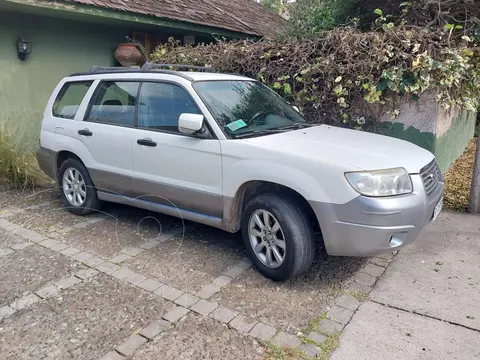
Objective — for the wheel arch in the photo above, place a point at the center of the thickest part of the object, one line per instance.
(253, 188)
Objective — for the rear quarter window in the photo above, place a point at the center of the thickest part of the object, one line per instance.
(69, 99)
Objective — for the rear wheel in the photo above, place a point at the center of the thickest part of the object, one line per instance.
(278, 237)
(76, 188)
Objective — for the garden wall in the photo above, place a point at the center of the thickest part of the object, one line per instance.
(425, 123)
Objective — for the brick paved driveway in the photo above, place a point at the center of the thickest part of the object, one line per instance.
(126, 283)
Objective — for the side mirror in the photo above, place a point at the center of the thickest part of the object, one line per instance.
(190, 123)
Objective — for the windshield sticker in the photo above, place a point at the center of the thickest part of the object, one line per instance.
(234, 126)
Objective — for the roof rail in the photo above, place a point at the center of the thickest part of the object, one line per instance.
(153, 66)
(120, 70)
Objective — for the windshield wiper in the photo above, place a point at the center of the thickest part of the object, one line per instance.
(258, 132)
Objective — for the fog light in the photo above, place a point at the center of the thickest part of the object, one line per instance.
(395, 242)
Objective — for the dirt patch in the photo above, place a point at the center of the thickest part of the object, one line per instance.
(27, 270)
(85, 322)
(23, 198)
(7, 238)
(122, 228)
(291, 305)
(191, 261)
(200, 338)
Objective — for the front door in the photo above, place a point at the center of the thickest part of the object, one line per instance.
(172, 168)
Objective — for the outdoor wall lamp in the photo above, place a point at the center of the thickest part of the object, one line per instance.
(24, 48)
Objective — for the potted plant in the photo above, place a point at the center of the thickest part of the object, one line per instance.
(130, 53)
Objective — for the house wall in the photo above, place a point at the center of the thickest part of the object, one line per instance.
(59, 48)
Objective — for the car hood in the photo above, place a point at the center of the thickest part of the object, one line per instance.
(358, 149)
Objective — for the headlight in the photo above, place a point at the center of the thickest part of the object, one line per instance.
(389, 182)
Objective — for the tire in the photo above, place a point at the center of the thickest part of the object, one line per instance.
(295, 229)
(91, 202)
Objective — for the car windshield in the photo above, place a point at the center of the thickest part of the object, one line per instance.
(247, 108)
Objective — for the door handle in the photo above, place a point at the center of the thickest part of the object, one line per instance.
(147, 142)
(85, 132)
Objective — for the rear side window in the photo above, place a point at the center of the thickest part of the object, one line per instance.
(69, 99)
(114, 103)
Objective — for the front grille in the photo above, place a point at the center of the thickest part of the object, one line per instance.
(430, 176)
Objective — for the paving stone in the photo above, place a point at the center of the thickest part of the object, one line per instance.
(187, 300)
(24, 302)
(5, 251)
(263, 331)
(155, 328)
(70, 251)
(222, 280)
(365, 279)
(112, 355)
(86, 273)
(283, 339)
(208, 290)
(175, 314)
(204, 307)
(68, 282)
(133, 251)
(6, 311)
(388, 256)
(37, 238)
(310, 350)
(123, 273)
(150, 285)
(243, 323)
(21, 246)
(94, 261)
(47, 291)
(150, 244)
(317, 337)
(379, 262)
(340, 314)
(223, 315)
(59, 247)
(239, 268)
(49, 243)
(107, 268)
(330, 327)
(120, 258)
(373, 270)
(348, 302)
(168, 292)
(135, 279)
(131, 345)
(25, 233)
(82, 256)
(355, 286)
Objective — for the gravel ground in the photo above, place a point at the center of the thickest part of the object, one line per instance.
(201, 338)
(84, 323)
(25, 271)
(91, 318)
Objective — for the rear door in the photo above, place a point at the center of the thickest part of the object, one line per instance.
(107, 131)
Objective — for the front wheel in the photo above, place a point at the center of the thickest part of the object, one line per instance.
(278, 237)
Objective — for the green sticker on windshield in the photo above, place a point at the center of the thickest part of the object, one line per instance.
(234, 126)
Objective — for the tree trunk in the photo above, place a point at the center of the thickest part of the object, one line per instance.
(474, 203)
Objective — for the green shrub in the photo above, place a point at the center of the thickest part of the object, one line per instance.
(344, 75)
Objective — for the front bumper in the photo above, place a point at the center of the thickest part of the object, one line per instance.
(370, 226)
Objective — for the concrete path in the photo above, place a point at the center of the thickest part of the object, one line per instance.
(427, 304)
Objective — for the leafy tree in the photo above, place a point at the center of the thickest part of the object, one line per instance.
(274, 6)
